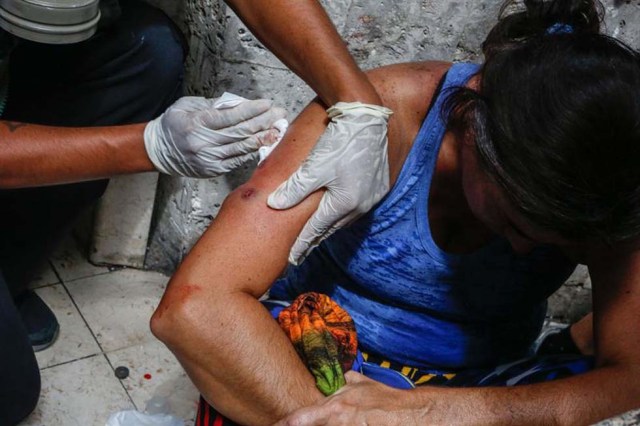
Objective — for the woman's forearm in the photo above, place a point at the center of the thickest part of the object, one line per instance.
(582, 399)
(34, 155)
(212, 321)
(241, 361)
(210, 316)
(578, 400)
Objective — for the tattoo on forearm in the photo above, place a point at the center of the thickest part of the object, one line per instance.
(14, 125)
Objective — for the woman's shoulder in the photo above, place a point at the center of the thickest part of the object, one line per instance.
(409, 86)
(407, 89)
(422, 70)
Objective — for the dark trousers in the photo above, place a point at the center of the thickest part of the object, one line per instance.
(127, 73)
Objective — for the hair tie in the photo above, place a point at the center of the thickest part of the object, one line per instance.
(559, 28)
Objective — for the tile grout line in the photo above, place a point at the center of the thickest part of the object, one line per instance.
(70, 361)
(84, 277)
(45, 286)
(64, 285)
(86, 323)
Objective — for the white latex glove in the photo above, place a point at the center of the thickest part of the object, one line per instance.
(194, 138)
(350, 160)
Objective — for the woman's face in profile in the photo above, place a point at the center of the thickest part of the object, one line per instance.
(491, 207)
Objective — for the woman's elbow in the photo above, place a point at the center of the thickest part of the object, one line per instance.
(166, 323)
(159, 324)
(176, 317)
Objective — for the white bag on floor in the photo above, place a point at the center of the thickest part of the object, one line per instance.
(136, 418)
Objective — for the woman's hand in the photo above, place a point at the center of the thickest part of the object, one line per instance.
(361, 401)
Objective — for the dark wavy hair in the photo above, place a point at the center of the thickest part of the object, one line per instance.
(556, 119)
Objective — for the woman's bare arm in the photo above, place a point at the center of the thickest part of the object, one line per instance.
(210, 317)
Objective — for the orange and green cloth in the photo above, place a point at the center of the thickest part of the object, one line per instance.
(324, 336)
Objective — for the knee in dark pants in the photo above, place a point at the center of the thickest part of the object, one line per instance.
(165, 48)
(160, 52)
(19, 374)
(22, 401)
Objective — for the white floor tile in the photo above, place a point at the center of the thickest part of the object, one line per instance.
(154, 371)
(71, 263)
(118, 305)
(75, 340)
(44, 276)
(80, 393)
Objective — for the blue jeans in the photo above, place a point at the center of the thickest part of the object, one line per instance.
(127, 73)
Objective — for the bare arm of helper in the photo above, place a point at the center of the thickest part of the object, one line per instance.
(311, 48)
(191, 138)
(32, 155)
(210, 317)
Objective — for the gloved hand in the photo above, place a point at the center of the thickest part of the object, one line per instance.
(350, 160)
(192, 138)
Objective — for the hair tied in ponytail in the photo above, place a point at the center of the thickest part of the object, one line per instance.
(559, 28)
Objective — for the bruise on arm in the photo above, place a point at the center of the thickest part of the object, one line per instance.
(248, 193)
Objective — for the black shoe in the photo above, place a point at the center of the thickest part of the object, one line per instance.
(40, 322)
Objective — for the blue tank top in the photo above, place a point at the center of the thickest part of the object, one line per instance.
(414, 304)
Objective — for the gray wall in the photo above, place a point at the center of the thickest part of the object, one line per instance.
(224, 56)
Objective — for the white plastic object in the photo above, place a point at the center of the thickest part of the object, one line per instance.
(136, 418)
(158, 405)
(157, 413)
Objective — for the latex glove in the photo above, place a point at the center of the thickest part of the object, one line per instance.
(350, 160)
(193, 138)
